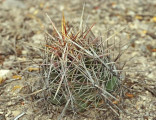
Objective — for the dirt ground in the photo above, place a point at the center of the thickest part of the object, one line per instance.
(22, 27)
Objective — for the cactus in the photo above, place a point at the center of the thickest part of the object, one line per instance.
(78, 69)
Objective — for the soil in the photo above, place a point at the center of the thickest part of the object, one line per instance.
(22, 28)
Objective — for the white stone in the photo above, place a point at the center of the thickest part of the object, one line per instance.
(5, 74)
(24, 52)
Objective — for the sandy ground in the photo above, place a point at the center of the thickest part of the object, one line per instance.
(22, 26)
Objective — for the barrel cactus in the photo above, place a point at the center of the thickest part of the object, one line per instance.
(79, 71)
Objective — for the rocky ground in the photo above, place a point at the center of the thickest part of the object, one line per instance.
(22, 27)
